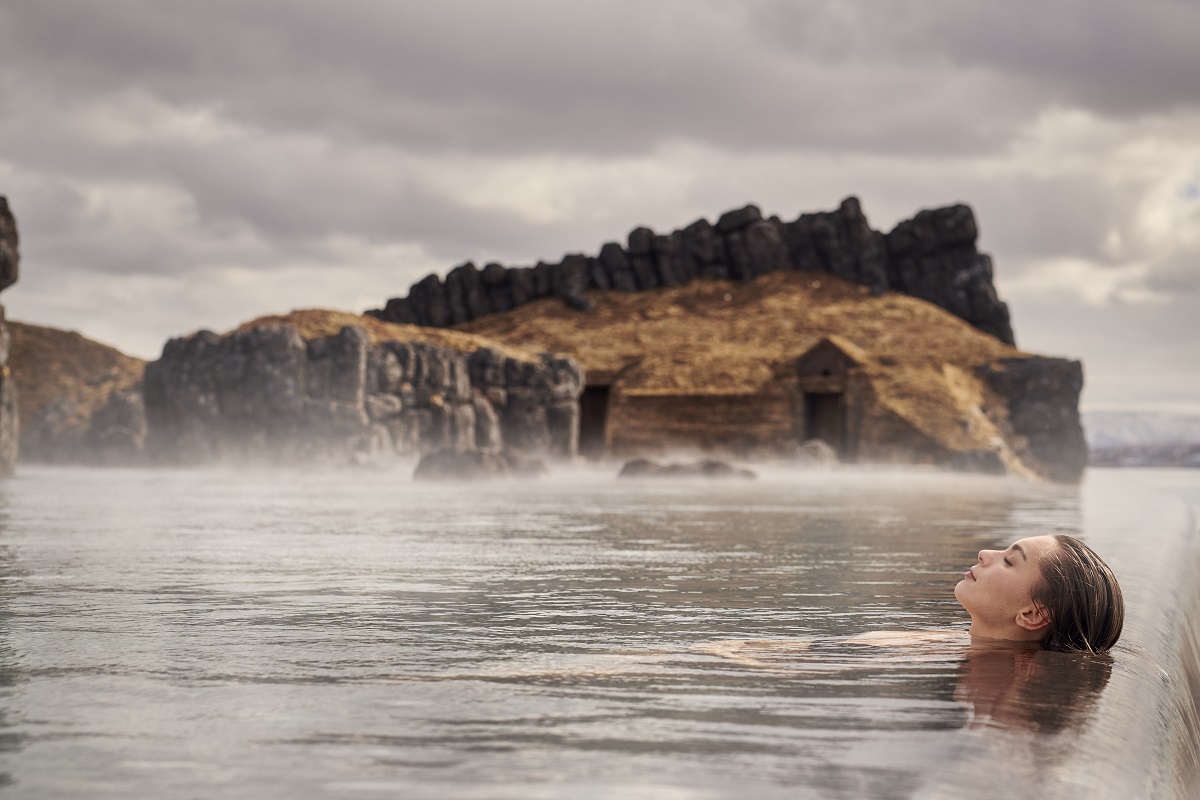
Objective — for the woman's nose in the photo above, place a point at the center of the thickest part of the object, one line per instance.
(984, 555)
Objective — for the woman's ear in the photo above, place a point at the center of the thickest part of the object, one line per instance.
(1033, 618)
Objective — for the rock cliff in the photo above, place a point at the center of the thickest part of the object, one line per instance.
(1042, 398)
(320, 386)
(81, 401)
(932, 256)
(10, 259)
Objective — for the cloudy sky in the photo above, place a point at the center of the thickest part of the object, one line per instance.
(176, 165)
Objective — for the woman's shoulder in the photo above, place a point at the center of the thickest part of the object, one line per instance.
(784, 652)
(908, 638)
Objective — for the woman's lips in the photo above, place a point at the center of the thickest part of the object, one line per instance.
(970, 574)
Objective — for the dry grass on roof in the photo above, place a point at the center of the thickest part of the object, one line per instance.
(315, 323)
(727, 337)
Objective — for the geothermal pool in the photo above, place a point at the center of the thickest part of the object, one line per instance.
(355, 635)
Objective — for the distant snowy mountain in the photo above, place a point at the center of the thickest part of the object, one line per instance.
(1108, 429)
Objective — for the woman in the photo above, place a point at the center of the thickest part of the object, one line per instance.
(1049, 589)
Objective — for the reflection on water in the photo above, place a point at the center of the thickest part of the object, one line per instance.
(1027, 688)
(1000, 684)
(355, 635)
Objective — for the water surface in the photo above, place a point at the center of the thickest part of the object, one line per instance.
(353, 634)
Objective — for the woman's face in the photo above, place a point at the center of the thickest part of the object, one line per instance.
(999, 588)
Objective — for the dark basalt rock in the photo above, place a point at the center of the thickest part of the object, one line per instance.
(10, 256)
(1042, 395)
(738, 218)
(571, 282)
(802, 250)
(497, 289)
(597, 276)
(705, 246)
(617, 265)
(868, 248)
(755, 250)
(398, 310)
(264, 394)
(543, 279)
(429, 302)
(456, 294)
(337, 366)
(522, 285)
(674, 266)
(815, 453)
(10, 260)
(641, 257)
(931, 256)
(706, 468)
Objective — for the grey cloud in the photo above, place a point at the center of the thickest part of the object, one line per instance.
(1133, 354)
(607, 77)
(1111, 56)
(579, 77)
(1051, 216)
(1178, 275)
(1115, 57)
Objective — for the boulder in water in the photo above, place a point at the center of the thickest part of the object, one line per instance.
(470, 465)
(705, 468)
(816, 453)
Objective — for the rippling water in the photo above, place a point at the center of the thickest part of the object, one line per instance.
(353, 634)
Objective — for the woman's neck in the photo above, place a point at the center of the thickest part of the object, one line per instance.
(1008, 633)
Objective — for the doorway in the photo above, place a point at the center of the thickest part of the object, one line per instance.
(823, 418)
(593, 421)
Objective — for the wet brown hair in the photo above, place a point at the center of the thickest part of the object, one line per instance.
(1082, 597)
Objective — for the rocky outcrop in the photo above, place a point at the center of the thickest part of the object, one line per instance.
(10, 260)
(537, 403)
(1042, 399)
(266, 393)
(705, 468)
(80, 400)
(815, 453)
(932, 256)
(10, 257)
(65, 432)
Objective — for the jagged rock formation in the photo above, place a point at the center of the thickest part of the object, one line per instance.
(81, 401)
(758, 368)
(1042, 396)
(327, 387)
(932, 256)
(10, 259)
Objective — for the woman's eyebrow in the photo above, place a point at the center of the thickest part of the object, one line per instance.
(1020, 550)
